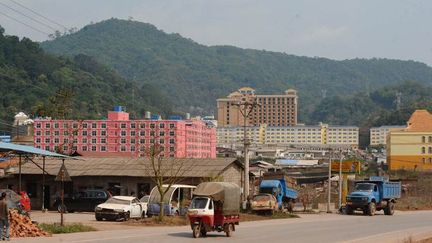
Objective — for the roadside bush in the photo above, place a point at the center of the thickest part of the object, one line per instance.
(68, 228)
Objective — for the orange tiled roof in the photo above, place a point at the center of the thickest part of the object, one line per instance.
(420, 121)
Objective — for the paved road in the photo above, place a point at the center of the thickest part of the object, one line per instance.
(309, 228)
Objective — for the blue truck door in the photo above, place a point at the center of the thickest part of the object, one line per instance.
(376, 194)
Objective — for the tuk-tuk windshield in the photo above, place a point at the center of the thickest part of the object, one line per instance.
(199, 203)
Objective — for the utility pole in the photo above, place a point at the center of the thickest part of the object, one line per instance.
(246, 108)
(340, 179)
(329, 182)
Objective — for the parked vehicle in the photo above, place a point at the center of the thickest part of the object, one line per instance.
(374, 194)
(120, 207)
(280, 186)
(214, 207)
(84, 201)
(176, 200)
(264, 203)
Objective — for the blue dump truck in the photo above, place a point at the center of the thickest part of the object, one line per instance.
(377, 193)
(281, 187)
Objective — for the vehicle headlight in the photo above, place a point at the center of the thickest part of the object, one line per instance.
(364, 198)
(98, 208)
(119, 210)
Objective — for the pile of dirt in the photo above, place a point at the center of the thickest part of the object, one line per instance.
(22, 226)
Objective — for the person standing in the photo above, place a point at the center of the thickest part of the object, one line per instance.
(4, 217)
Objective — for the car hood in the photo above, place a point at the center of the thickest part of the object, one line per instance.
(113, 206)
(359, 194)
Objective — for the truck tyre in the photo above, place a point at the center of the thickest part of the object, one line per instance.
(349, 210)
(229, 230)
(290, 206)
(371, 209)
(196, 231)
(203, 232)
(389, 210)
(98, 218)
(126, 216)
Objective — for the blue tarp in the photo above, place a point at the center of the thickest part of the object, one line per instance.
(23, 149)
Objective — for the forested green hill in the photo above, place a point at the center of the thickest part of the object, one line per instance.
(194, 75)
(78, 87)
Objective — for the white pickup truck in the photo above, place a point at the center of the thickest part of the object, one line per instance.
(121, 208)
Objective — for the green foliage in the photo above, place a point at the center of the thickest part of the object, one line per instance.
(68, 228)
(194, 75)
(45, 85)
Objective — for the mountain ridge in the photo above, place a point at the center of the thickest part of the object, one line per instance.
(193, 75)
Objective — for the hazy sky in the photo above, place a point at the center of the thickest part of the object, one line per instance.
(339, 29)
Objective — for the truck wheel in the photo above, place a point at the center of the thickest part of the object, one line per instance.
(196, 231)
(389, 210)
(126, 216)
(203, 232)
(98, 218)
(349, 210)
(371, 209)
(229, 230)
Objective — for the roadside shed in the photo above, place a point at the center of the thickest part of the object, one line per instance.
(122, 176)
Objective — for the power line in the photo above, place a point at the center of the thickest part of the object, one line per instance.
(37, 21)
(38, 14)
(31, 27)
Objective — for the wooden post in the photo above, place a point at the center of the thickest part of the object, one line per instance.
(62, 197)
(43, 183)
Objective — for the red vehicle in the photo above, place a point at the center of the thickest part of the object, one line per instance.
(214, 207)
(25, 201)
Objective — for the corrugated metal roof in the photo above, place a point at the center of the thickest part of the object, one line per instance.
(22, 149)
(135, 167)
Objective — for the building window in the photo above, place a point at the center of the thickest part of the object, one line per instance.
(161, 133)
(75, 125)
(38, 133)
(65, 133)
(47, 125)
(84, 140)
(47, 133)
(84, 125)
(47, 140)
(56, 125)
(142, 125)
(423, 150)
(123, 140)
(133, 125)
(161, 141)
(38, 140)
(423, 139)
(171, 133)
(132, 140)
(142, 141)
(93, 133)
(132, 133)
(103, 148)
(132, 148)
(142, 133)
(65, 148)
(152, 133)
(38, 125)
(56, 133)
(171, 141)
(93, 141)
(162, 125)
(123, 148)
(56, 140)
(47, 148)
(152, 125)
(171, 149)
(171, 126)
(93, 148)
(84, 148)
(103, 133)
(84, 133)
(103, 125)
(123, 125)
(103, 140)
(123, 133)
(94, 125)
(65, 125)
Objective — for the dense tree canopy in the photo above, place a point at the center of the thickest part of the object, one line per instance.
(79, 87)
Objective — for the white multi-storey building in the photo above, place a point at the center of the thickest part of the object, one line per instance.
(378, 135)
(321, 134)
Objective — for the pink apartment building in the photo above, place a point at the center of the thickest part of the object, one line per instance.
(119, 136)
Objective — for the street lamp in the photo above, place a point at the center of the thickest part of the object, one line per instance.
(246, 108)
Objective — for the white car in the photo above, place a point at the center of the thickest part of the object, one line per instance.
(120, 208)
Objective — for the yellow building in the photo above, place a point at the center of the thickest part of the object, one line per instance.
(411, 147)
